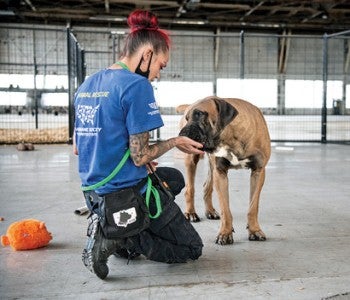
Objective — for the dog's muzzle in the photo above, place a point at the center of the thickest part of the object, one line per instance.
(196, 133)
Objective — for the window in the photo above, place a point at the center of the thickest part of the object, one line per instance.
(172, 94)
(260, 92)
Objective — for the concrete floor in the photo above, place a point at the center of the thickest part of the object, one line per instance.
(304, 211)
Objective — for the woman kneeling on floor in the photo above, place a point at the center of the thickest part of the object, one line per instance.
(115, 111)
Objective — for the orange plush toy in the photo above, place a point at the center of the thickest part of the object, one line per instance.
(26, 235)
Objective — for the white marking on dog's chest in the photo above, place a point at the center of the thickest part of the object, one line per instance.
(233, 159)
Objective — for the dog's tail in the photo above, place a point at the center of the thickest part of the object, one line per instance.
(181, 108)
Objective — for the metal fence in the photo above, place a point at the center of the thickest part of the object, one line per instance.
(76, 75)
(336, 126)
(33, 68)
(301, 83)
(40, 69)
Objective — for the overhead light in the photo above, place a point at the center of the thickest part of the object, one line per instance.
(262, 25)
(108, 18)
(190, 22)
(7, 13)
(118, 32)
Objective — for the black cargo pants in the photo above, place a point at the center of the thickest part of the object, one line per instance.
(171, 238)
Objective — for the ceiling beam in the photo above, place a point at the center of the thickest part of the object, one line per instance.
(107, 6)
(252, 10)
(29, 3)
(204, 14)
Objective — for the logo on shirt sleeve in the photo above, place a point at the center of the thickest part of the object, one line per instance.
(153, 105)
(154, 108)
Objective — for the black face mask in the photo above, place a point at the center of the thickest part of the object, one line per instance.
(139, 71)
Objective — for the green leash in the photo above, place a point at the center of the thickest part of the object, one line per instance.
(124, 66)
(110, 176)
(150, 187)
(154, 191)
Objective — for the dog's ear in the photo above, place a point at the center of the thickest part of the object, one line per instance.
(226, 112)
(181, 108)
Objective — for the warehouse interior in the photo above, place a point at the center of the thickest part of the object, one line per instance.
(289, 58)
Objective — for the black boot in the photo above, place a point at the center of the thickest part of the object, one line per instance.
(98, 249)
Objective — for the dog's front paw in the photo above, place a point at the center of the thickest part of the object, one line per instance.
(212, 215)
(224, 239)
(257, 236)
(193, 217)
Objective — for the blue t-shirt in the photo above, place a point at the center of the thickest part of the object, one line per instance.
(110, 106)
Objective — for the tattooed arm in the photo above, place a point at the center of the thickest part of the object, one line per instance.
(142, 152)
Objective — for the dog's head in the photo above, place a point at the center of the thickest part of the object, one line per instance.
(206, 119)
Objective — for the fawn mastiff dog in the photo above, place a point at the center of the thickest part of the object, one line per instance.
(234, 134)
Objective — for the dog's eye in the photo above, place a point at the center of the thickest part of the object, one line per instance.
(199, 115)
(196, 114)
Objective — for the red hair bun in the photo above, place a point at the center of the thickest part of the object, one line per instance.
(141, 19)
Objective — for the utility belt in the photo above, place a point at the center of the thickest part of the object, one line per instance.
(125, 212)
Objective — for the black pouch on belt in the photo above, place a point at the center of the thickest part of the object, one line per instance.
(126, 213)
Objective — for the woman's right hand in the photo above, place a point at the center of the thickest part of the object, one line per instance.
(189, 146)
